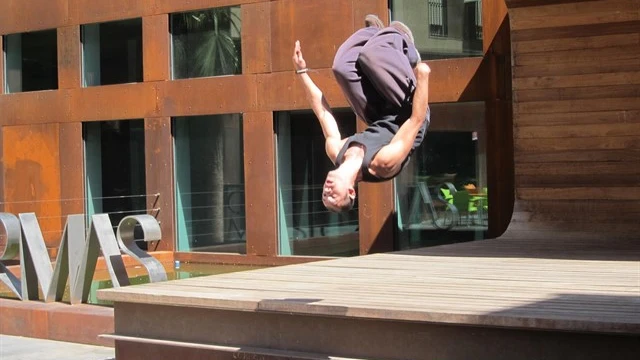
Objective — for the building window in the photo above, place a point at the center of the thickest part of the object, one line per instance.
(306, 227)
(442, 195)
(209, 175)
(112, 52)
(115, 181)
(31, 61)
(442, 28)
(206, 43)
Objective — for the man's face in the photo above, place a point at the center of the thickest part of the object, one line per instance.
(337, 192)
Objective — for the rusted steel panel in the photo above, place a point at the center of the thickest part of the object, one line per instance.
(18, 16)
(362, 8)
(318, 24)
(1, 75)
(156, 50)
(260, 184)
(32, 175)
(284, 91)
(457, 80)
(159, 176)
(91, 11)
(376, 208)
(71, 169)
(204, 96)
(112, 102)
(37, 107)
(494, 13)
(69, 59)
(171, 6)
(256, 42)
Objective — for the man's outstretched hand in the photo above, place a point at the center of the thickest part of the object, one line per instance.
(298, 60)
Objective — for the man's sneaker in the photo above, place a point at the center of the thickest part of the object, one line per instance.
(404, 29)
(373, 20)
(414, 55)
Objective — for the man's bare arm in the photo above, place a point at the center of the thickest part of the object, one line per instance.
(320, 106)
(389, 159)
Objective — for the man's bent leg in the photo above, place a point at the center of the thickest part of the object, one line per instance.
(346, 70)
(384, 60)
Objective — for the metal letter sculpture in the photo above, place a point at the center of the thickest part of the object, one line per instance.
(11, 250)
(77, 255)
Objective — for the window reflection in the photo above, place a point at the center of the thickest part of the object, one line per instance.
(206, 42)
(209, 175)
(111, 145)
(306, 226)
(442, 195)
(442, 28)
(112, 52)
(31, 61)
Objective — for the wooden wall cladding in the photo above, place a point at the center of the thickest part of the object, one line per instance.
(32, 175)
(576, 83)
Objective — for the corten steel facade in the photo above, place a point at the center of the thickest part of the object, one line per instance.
(43, 133)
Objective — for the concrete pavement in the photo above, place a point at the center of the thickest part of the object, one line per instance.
(23, 348)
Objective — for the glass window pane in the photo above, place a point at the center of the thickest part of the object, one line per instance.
(306, 227)
(115, 169)
(112, 52)
(442, 28)
(209, 175)
(442, 194)
(31, 61)
(206, 43)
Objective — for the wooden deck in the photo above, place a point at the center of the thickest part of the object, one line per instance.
(557, 287)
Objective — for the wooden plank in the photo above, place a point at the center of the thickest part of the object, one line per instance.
(69, 58)
(577, 156)
(602, 42)
(571, 168)
(612, 65)
(572, 31)
(574, 13)
(579, 193)
(260, 184)
(563, 131)
(577, 118)
(597, 179)
(71, 169)
(523, 3)
(587, 143)
(236, 259)
(587, 55)
(612, 91)
(256, 47)
(158, 146)
(2, 168)
(606, 79)
(571, 106)
(156, 51)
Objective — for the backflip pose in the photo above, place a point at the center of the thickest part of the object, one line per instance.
(386, 84)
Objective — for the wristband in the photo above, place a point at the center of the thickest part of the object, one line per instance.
(302, 71)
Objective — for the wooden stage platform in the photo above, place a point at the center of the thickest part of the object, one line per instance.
(492, 299)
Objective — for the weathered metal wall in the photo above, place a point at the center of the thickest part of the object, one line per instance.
(267, 84)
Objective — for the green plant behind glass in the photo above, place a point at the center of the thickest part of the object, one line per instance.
(203, 44)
